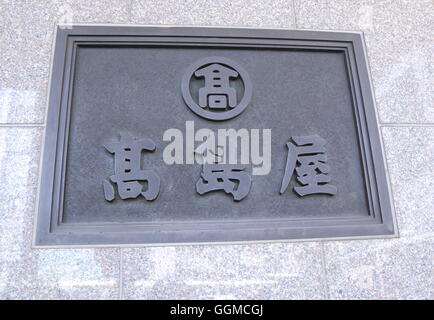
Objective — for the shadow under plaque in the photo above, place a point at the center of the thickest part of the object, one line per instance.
(116, 91)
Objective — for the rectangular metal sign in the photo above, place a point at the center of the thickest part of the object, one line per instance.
(195, 135)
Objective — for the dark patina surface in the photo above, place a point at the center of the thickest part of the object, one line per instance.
(111, 79)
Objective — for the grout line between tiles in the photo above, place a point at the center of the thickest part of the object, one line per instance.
(421, 125)
(22, 125)
(121, 278)
(324, 273)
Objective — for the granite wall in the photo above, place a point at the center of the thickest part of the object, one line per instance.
(399, 37)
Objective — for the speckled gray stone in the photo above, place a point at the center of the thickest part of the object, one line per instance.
(27, 29)
(381, 269)
(256, 271)
(27, 273)
(410, 159)
(399, 41)
(399, 36)
(397, 268)
(279, 13)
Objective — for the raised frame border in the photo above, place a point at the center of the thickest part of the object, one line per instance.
(51, 232)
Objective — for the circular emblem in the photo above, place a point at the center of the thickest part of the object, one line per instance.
(216, 88)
